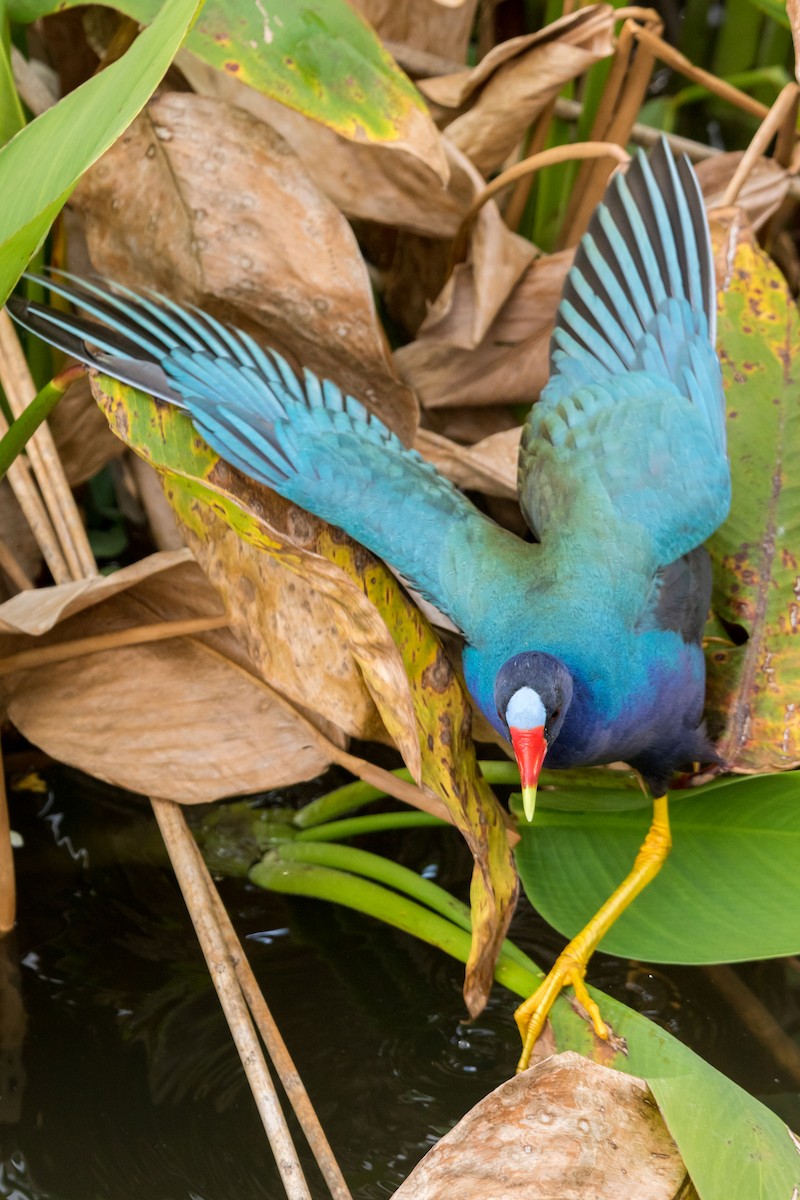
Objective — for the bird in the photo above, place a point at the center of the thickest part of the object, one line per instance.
(582, 644)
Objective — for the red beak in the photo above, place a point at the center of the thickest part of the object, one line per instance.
(530, 749)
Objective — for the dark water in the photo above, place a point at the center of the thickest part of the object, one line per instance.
(118, 1079)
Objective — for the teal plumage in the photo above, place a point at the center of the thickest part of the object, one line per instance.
(596, 626)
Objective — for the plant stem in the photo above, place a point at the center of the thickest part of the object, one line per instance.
(39, 409)
(348, 859)
(354, 795)
(335, 831)
(277, 873)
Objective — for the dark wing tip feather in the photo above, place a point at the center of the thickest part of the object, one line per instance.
(648, 240)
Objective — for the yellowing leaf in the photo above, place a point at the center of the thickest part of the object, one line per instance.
(754, 688)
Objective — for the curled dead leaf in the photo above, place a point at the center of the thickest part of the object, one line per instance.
(490, 466)
(510, 363)
(514, 82)
(237, 526)
(568, 1128)
(183, 718)
(206, 203)
(435, 28)
(762, 193)
(370, 180)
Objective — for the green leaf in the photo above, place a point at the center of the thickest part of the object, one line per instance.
(753, 688)
(41, 165)
(320, 58)
(729, 891)
(12, 118)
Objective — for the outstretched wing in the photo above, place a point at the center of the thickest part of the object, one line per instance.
(295, 433)
(629, 433)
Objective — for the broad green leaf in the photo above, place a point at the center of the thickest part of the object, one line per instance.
(41, 165)
(12, 118)
(729, 891)
(420, 698)
(320, 58)
(754, 714)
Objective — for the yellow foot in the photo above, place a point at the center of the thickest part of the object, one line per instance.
(568, 971)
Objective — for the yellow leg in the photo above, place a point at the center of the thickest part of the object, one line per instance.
(570, 966)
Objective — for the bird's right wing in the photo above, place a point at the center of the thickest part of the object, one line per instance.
(297, 434)
(627, 442)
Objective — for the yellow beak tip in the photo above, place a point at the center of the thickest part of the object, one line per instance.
(529, 802)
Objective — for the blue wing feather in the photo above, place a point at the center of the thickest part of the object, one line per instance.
(630, 428)
(299, 435)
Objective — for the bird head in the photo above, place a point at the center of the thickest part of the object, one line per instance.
(532, 692)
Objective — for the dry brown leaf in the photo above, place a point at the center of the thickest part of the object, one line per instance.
(435, 28)
(16, 536)
(470, 425)
(510, 364)
(567, 1128)
(496, 259)
(207, 204)
(303, 641)
(373, 181)
(514, 82)
(186, 719)
(762, 194)
(490, 466)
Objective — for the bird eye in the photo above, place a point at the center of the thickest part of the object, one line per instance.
(556, 714)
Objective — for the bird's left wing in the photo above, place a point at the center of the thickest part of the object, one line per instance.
(628, 437)
(298, 434)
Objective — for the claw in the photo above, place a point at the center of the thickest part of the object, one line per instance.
(531, 1015)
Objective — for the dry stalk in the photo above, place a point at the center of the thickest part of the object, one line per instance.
(776, 119)
(8, 891)
(512, 213)
(275, 1045)
(15, 572)
(181, 849)
(35, 514)
(527, 167)
(20, 390)
(679, 62)
(135, 635)
(630, 74)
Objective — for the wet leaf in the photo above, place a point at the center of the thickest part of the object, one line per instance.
(352, 601)
(753, 705)
(320, 57)
(568, 1128)
(186, 719)
(160, 212)
(514, 82)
